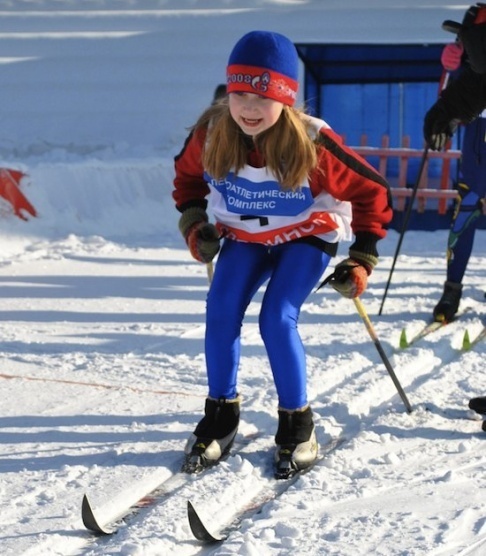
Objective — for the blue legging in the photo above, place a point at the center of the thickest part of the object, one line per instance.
(293, 269)
(472, 189)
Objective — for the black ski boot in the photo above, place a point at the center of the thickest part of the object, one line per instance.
(214, 435)
(478, 405)
(448, 304)
(296, 442)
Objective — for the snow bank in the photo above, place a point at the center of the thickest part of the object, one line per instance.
(118, 200)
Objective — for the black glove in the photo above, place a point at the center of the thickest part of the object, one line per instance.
(201, 237)
(439, 127)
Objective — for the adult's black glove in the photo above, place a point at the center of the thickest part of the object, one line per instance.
(439, 127)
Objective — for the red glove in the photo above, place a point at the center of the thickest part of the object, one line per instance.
(203, 241)
(451, 56)
(350, 278)
(201, 237)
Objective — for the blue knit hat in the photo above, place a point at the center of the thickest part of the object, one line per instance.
(265, 64)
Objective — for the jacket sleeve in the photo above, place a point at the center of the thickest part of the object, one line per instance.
(465, 97)
(190, 187)
(348, 177)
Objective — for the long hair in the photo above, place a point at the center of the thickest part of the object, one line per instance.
(287, 147)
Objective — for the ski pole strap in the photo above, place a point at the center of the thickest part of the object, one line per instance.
(326, 281)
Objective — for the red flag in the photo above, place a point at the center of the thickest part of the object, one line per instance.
(9, 190)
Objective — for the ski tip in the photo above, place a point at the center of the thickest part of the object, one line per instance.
(199, 530)
(403, 340)
(90, 521)
(466, 341)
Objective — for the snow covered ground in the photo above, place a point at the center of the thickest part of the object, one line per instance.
(102, 313)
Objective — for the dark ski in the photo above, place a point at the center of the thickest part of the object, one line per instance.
(276, 489)
(198, 528)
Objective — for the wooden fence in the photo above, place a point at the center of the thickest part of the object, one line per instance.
(440, 188)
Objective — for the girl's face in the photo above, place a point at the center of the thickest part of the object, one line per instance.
(254, 113)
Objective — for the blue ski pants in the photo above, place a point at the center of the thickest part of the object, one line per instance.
(471, 190)
(292, 271)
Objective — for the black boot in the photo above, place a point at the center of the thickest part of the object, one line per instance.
(214, 435)
(448, 304)
(296, 442)
(478, 405)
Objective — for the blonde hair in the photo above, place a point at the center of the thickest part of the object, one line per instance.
(287, 147)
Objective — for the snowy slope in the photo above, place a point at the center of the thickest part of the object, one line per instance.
(103, 378)
(102, 314)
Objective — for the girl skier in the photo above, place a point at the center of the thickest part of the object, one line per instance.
(283, 191)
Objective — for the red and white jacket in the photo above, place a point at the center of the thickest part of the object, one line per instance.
(344, 195)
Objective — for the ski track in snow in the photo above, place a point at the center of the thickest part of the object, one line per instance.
(116, 443)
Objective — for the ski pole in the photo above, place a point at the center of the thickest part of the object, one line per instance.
(210, 271)
(405, 222)
(384, 358)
